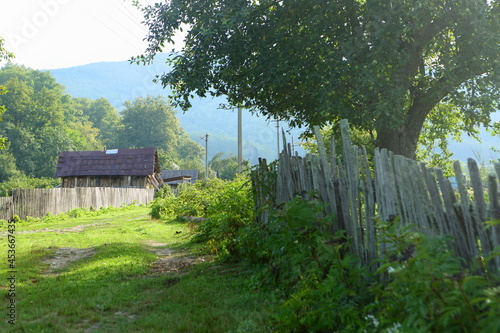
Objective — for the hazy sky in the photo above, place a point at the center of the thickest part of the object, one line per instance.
(49, 34)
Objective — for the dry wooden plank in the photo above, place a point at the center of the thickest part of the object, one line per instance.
(479, 209)
(477, 186)
(329, 189)
(350, 153)
(465, 209)
(436, 203)
(497, 170)
(456, 227)
(400, 175)
(369, 210)
(384, 181)
(494, 215)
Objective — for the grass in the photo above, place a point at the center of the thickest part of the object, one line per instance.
(115, 288)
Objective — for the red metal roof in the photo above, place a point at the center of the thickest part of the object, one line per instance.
(116, 162)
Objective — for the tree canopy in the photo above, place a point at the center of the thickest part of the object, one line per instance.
(41, 120)
(152, 122)
(226, 165)
(384, 65)
(4, 55)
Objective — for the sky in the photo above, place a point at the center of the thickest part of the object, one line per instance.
(50, 34)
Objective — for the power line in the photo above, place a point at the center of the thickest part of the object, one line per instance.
(130, 15)
(107, 26)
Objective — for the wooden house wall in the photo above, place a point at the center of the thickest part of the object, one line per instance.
(106, 181)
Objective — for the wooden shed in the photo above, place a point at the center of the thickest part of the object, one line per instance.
(137, 168)
(176, 177)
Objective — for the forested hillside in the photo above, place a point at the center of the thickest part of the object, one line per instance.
(41, 119)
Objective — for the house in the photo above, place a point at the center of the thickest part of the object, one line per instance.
(176, 177)
(137, 168)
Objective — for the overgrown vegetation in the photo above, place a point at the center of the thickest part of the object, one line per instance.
(216, 209)
(7, 186)
(420, 285)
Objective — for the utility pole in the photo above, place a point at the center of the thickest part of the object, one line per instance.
(206, 154)
(278, 136)
(240, 142)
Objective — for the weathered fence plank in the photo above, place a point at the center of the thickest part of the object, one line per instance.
(391, 186)
(39, 202)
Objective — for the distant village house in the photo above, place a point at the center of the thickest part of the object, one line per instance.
(175, 177)
(137, 168)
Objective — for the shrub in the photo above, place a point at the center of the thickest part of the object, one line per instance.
(226, 215)
(191, 200)
(428, 289)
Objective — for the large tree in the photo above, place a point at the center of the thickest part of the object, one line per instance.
(152, 122)
(384, 65)
(40, 121)
(4, 55)
(103, 115)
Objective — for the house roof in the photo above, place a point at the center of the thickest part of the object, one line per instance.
(179, 176)
(115, 162)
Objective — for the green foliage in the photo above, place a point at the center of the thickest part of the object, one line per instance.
(152, 122)
(293, 242)
(224, 208)
(383, 65)
(4, 55)
(26, 182)
(192, 199)
(103, 117)
(323, 287)
(226, 165)
(8, 168)
(331, 304)
(40, 121)
(230, 211)
(428, 288)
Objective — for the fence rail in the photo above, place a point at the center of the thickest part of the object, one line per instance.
(39, 202)
(387, 187)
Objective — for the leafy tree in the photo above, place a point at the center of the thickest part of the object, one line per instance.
(384, 65)
(40, 121)
(104, 116)
(8, 166)
(4, 55)
(152, 122)
(226, 165)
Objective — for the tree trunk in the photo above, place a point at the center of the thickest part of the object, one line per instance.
(404, 141)
(400, 142)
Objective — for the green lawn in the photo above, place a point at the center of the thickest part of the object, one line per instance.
(123, 272)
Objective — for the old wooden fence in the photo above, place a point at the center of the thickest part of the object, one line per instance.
(39, 202)
(389, 186)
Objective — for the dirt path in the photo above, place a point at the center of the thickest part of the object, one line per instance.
(169, 261)
(65, 256)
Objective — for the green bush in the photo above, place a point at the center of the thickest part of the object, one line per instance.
(420, 286)
(224, 206)
(226, 215)
(191, 200)
(428, 289)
